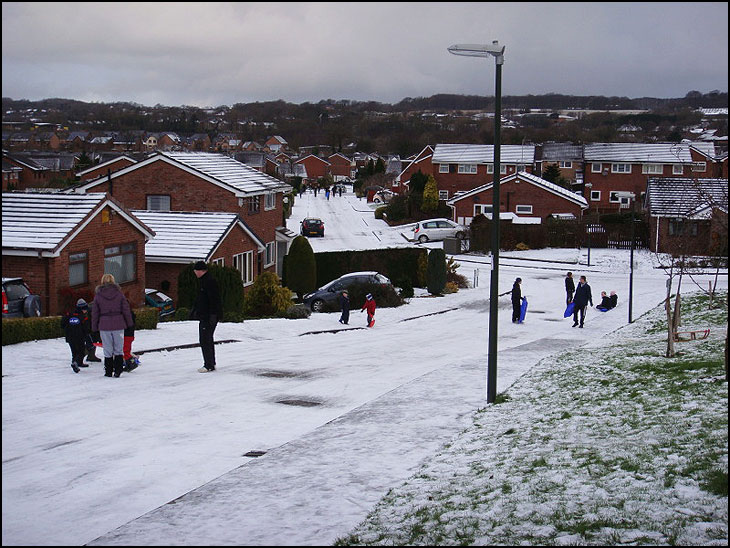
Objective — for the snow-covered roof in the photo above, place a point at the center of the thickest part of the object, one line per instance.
(46, 222)
(183, 237)
(685, 197)
(527, 177)
(107, 163)
(663, 153)
(482, 154)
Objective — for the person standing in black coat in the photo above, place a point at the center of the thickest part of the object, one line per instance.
(569, 288)
(345, 306)
(580, 301)
(208, 310)
(516, 300)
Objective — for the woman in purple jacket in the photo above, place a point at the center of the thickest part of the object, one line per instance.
(110, 316)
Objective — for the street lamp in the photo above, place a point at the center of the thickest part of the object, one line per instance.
(631, 198)
(496, 51)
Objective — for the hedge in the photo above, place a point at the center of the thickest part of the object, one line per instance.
(17, 330)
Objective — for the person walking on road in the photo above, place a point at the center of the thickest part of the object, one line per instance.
(76, 326)
(345, 306)
(580, 301)
(111, 315)
(516, 300)
(569, 288)
(370, 307)
(208, 310)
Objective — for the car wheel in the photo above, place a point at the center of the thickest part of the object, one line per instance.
(460, 235)
(423, 239)
(318, 306)
(32, 306)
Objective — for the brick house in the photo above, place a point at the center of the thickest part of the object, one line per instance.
(182, 238)
(461, 168)
(31, 175)
(611, 168)
(567, 157)
(11, 175)
(276, 144)
(104, 168)
(316, 167)
(61, 244)
(341, 167)
(420, 162)
(522, 194)
(687, 216)
(201, 181)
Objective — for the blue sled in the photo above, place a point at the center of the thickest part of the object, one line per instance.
(523, 310)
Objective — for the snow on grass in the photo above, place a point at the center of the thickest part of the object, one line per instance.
(610, 443)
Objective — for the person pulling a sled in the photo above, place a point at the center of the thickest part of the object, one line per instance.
(370, 307)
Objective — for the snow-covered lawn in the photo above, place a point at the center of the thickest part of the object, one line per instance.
(610, 443)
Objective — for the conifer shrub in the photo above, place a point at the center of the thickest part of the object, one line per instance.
(230, 287)
(267, 297)
(436, 275)
(300, 267)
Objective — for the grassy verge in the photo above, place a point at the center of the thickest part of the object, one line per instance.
(608, 444)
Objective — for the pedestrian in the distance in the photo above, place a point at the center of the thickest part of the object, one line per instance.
(110, 316)
(370, 307)
(516, 300)
(327, 193)
(569, 288)
(208, 310)
(76, 326)
(580, 301)
(345, 306)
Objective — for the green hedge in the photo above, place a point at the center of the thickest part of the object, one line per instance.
(398, 264)
(17, 330)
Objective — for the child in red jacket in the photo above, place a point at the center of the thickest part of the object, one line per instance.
(370, 307)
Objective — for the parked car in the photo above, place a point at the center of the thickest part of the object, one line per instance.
(327, 296)
(152, 297)
(383, 196)
(312, 227)
(18, 301)
(437, 229)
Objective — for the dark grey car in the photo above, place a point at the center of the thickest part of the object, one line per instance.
(327, 296)
(18, 302)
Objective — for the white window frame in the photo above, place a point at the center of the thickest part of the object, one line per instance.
(595, 195)
(269, 201)
(443, 194)
(490, 168)
(443, 168)
(243, 262)
(220, 261)
(677, 169)
(652, 169)
(155, 202)
(595, 169)
(699, 167)
(270, 255)
(564, 164)
(467, 168)
(78, 268)
(523, 209)
(482, 209)
(620, 168)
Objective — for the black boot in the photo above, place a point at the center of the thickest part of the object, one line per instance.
(91, 355)
(118, 365)
(108, 366)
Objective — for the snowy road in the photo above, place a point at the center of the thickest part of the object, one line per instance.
(85, 456)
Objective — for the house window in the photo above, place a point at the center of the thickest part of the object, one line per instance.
(243, 262)
(121, 262)
(270, 198)
(219, 262)
(523, 209)
(443, 168)
(482, 209)
(521, 167)
(78, 269)
(158, 202)
(620, 168)
(443, 194)
(595, 195)
(680, 227)
(467, 168)
(502, 168)
(677, 169)
(652, 169)
(253, 204)
(490, 168)
(699, 167)
(596, 168)
(565, 165)
(270, 253)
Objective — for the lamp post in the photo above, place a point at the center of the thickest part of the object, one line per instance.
(496, 51)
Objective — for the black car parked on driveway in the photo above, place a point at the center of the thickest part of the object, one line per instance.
(327, 297)
(18, 302)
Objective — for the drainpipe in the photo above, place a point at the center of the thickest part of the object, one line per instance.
(111, 184)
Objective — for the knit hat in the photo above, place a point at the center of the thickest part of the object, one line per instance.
(200, 265)
(369, 296)
(519, 280)
(81, 303)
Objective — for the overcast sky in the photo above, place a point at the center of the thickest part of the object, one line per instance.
(211, 54)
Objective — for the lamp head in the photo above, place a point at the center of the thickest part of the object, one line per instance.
(479, 50)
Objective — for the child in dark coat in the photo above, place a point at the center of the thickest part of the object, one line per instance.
(77, 328)
(345, 306)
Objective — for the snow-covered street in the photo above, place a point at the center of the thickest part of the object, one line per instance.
(338, 418)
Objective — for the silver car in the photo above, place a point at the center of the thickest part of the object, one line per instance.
(437, 229)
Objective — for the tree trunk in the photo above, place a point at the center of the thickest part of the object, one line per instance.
(670, 327)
